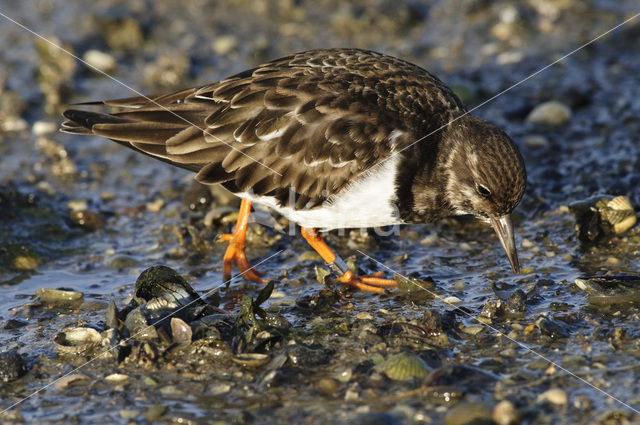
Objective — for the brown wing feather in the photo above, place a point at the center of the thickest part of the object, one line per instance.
(313, 121)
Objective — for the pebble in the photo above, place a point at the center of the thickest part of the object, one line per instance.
(224, 45)
(468, 413)
(552, 113)
(88, 220)
(155, 412)
(100, 60)
(67, 380)
(505, 413)
(526, 244)
(309, 256)
(14, 124)
(452, 300)
(42, 128)
(219, 388)
(155, 205)
(555, 396)
(129, 413)
(327, 386)
(527, 270)
(25, 263)
(116, 378)
(536, 141)
(77, 205)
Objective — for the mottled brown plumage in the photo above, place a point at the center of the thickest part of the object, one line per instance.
(325, 126)
(312, 121)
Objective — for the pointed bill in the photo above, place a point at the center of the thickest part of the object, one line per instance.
(504, 229)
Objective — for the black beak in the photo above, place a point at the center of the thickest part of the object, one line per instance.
(504, 229)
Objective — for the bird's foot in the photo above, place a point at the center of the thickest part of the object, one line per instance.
(370, 283)
(235, 251)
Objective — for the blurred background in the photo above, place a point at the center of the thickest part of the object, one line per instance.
(87, 215)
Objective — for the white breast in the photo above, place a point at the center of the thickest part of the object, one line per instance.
(369, 201)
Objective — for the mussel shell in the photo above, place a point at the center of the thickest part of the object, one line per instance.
(610, 286)
(77, 340)
(620, 203)
(251, 359)
(50, 295)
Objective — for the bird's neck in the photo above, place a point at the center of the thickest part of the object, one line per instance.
(421, 184)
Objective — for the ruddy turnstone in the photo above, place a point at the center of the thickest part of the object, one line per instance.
(333, 138)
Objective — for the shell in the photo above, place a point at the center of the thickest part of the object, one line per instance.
(619, 213)
(404, 366)
(50, 295)
(76, 340)
(180, 331)
(251, 359)
(116, 378)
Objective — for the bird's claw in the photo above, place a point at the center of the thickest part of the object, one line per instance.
(370, 283)
(235, 251)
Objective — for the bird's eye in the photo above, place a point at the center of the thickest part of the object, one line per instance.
(483, 191)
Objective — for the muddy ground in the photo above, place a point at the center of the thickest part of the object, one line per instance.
(481, 344)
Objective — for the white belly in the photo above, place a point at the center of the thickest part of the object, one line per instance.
(369, 201)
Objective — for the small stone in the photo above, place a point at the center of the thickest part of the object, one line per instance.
(219, 388)
(505, 413)
(155, 412)
(100, 61)
(25, 263)
(224, 45)
(14, 124)
(327, 386)
(536, 141)
(122, 262)
(451, 300)
(527, 244)
(67, 380)
(309, 256)
(88, 220)
(77, 205)
(555, 396)
(116, 378)
(552, 113)
(129, 413)
(468, 413)
(150, 382)
(156, 205)
(351, 395)
(364, 316)
(42, 128)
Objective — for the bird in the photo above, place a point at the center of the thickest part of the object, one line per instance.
(330, 139)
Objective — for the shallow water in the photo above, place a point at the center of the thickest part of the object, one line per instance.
(480, 48)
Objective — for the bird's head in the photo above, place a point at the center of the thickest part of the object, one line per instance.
(485, 176)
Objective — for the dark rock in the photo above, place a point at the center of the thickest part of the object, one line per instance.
(12, 366)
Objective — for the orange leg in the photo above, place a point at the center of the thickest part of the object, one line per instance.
(371, 283)
(235, 251)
